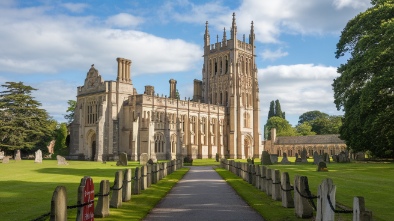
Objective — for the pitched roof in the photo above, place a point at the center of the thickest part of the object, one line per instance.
(312, 139)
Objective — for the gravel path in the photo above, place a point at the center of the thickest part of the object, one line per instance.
(202, 195)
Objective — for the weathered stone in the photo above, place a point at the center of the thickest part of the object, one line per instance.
(122, 160)
(276, 191)
(326, 158)
(322, 167)
(148, 175)
(287, 199)
(257, 176)
(285, 160)
(116, 198)
(86, 197)
(302, 207)
(304, 154)
(59, 204)
(61, 160)
(38, 157)
(102, 208)
(1, 155)
(316, 158)
(17, 155)
(165, 169)
(359, 211)
(274, 158)
(144, 157)
(265, 158)
(263, 184)
(126, 190)
(137, 181)
(144, 177)
(326, 191)
(268, 187)
(6, 159)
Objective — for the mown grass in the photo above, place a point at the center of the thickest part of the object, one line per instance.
(373, 181)
(26, 188)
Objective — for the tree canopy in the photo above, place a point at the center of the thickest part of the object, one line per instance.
(23, 125)
(311, 116)
(364, 89)
(71, 110)
(283, 127)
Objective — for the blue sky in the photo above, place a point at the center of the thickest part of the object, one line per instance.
(50, 45)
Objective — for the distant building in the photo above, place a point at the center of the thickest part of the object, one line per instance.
(222, 117)
(291, 145)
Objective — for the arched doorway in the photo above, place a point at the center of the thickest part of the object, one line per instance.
(92, 145)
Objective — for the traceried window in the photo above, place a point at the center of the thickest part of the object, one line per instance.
(159, 143)
(91, 112)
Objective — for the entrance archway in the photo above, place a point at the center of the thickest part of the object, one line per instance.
(92, 145)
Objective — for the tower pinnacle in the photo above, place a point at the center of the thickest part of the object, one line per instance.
(251, 35)
(206, 35)
(233, 28)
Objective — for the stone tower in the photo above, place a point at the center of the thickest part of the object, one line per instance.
(229, 78)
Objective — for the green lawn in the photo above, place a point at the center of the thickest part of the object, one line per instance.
(373, 181)
(26, 188)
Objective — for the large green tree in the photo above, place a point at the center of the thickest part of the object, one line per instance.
(310, 116)
(283, 127)
(23, 124)
(364, 89)
(71, 110)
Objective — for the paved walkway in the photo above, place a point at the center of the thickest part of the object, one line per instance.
(202, 195)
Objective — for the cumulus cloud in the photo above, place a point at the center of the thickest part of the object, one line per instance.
(299, 88)
(273, 55)
(75, 7)
(124, 20)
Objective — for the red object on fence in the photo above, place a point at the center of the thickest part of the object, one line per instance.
(88, 196)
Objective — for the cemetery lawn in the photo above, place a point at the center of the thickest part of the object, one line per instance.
(373, 181)
(26, 188)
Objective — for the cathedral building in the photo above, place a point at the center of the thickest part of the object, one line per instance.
(221, 118)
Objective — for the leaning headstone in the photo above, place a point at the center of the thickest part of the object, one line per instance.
(304, 156)
(359, 211)
(38, 157)
(274, 158)
(59, 204)
(101, 210)
(122, 160)
(1, 155)
(86, 198)
(6, 159)
(326, 191)
(116, 198)
(302, 207)
(144, 159)
(285, 160)
(17, 155)
(126, 190)
(287, 199)
(61, 160)
(322, 167)
(316, 158)
(265, 158)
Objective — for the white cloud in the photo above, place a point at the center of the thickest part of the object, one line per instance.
(75, 7)
(299, 88)
(339, 4)
(273, 55)
(124, 20)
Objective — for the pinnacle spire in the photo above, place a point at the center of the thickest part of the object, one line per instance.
(206, 35)
(251, 35)
(233, 28)
(224, 35)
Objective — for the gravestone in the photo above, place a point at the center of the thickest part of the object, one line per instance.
(326, 158)
(59, 204)
(359, 211)
(6, 159)
(343, 157)
(324, 211)
(122, 159)
(101, 210)
(144, 159)
(316, 158)
(116, 197)
(265, 158)
(86, 198)
(359, 156)
(285, 160)
(276, 188)
(304, 156)
(17, 155)
(38, 157)
(298, 159)
(137, 181)
(287, 199)
(274, 158)
(126, 188)
(301, 204)
(1, 155)
(61, 160)
(322, 167)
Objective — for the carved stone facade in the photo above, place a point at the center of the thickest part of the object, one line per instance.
(223, 116)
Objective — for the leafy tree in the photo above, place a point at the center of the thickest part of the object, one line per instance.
(278, 110)
(71, 109)
(310, 116)
(283, 127)
(364, 89)
(23, 125)
(305, 129)
(61, 135)
(271, 112)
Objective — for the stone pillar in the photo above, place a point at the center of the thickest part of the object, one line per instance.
(263, 178)
(148, 175)
(359, 212)
(157, 172)
(268, 187)
(59, 204)
(165, 172)
(144, 177)
(116, 198)
(102, 208)
(137, 181)
(276, 191)
(287, 199)
(126, 190)
(302, 207)
(326, 191)
(257, 176)
(161, 173)
(250, 174)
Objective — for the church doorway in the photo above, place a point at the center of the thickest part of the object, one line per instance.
(92, 145)
(93, 150)
(247, 148)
